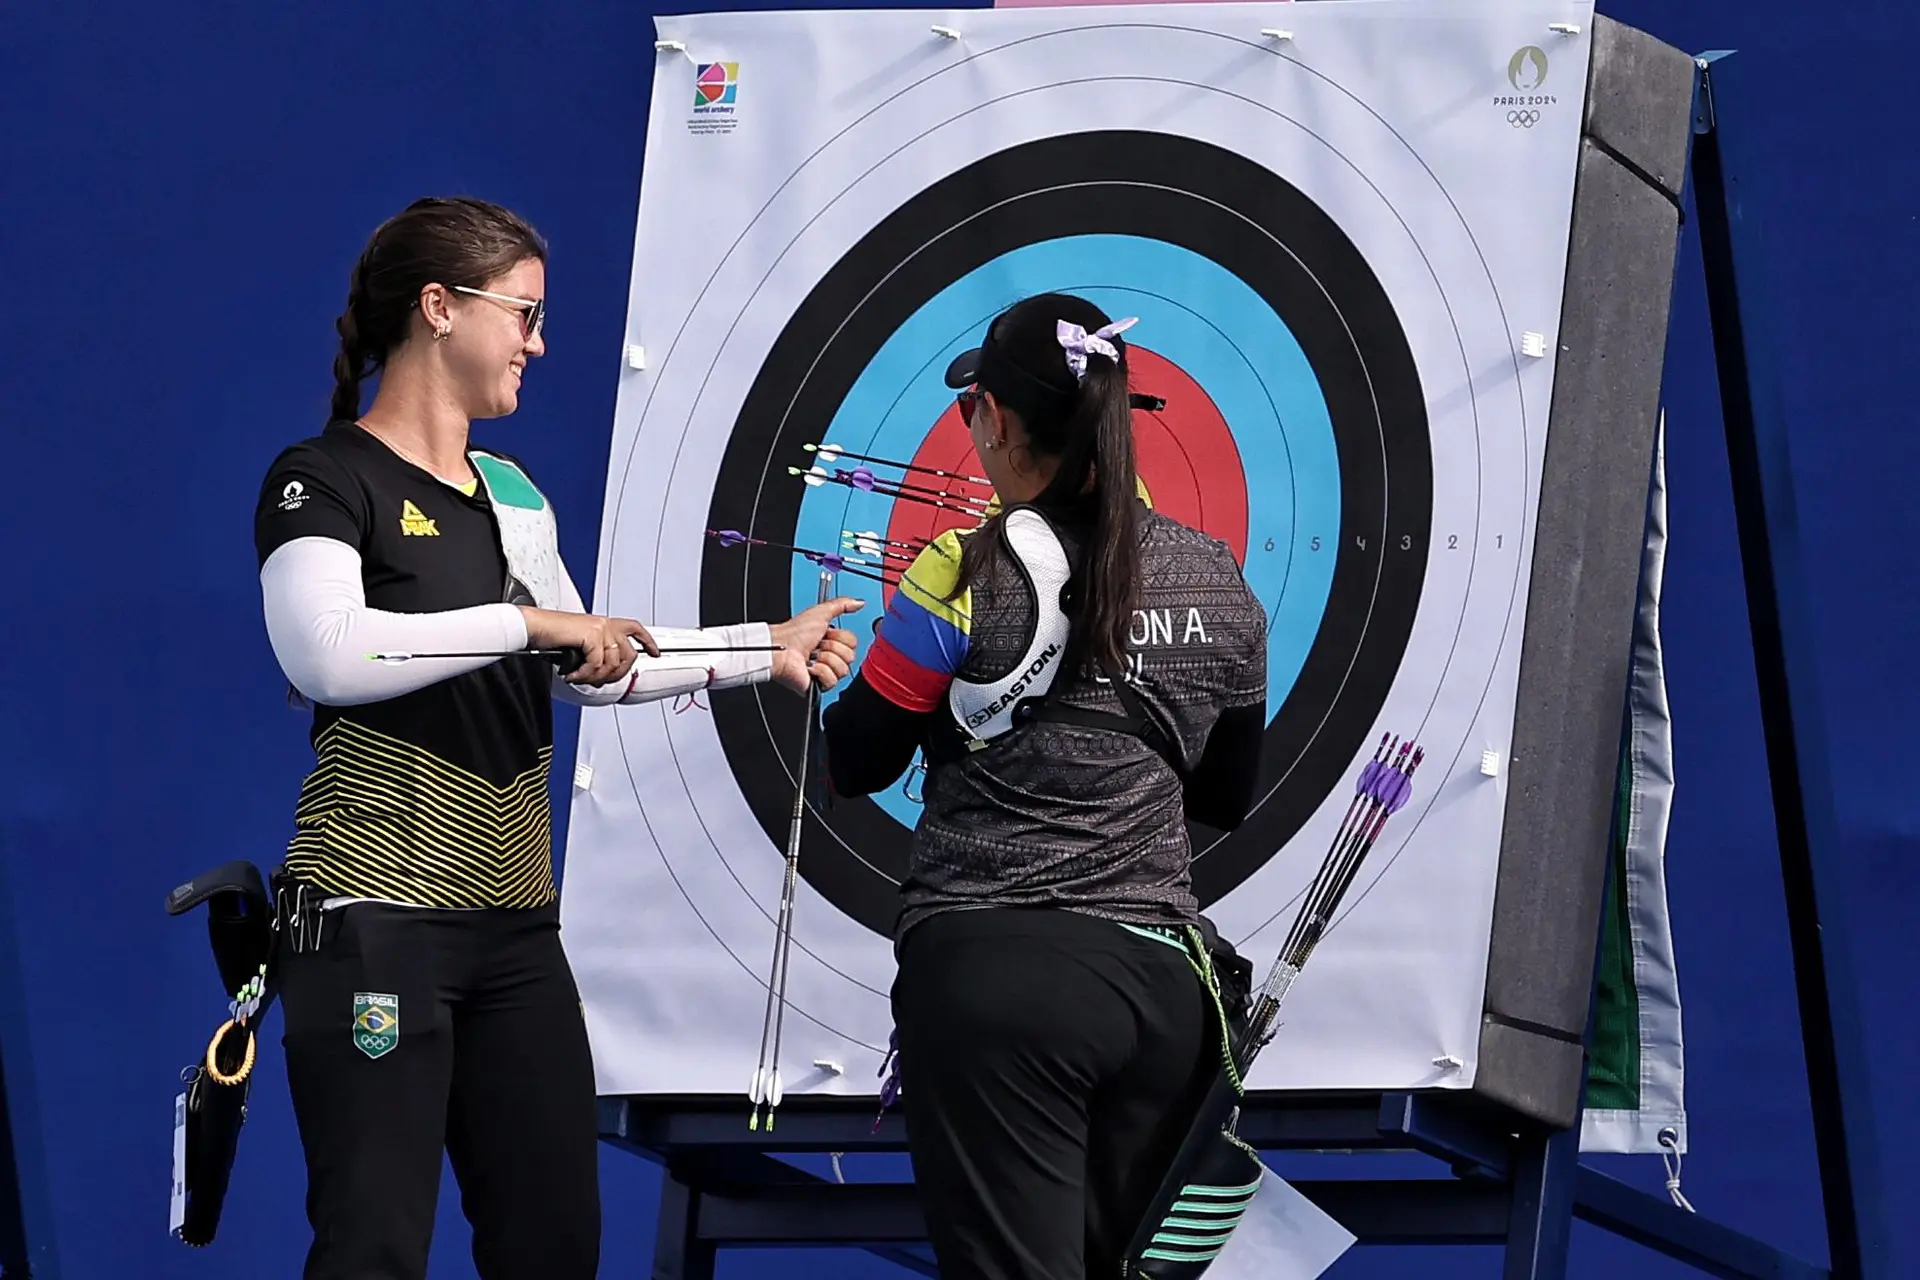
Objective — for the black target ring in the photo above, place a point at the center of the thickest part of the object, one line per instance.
(1185, 192)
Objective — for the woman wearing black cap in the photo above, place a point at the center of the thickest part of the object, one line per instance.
(1052, 1030)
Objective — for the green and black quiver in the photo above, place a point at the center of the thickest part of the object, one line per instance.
(1215, 1175)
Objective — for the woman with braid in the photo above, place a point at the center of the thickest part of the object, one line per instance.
(428, 1003)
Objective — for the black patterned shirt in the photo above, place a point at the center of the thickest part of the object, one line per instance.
(1057, 815)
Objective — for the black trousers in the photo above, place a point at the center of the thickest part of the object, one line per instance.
(1050, 1064)
(410, 1032)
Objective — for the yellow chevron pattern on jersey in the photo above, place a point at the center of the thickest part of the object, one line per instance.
(930, 579)
(381, 818)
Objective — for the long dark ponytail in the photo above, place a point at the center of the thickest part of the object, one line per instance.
(1086, 425)
(457, 241)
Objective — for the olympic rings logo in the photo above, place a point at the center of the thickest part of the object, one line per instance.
(1523, 119)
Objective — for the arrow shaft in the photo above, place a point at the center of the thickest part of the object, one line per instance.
(914, 497)
(904, 466)
(901, 486)
(552, 654)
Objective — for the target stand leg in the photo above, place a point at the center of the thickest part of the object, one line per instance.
(678, 1251)
(1540, 1229)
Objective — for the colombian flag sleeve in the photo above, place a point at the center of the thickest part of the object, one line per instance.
(923, 637)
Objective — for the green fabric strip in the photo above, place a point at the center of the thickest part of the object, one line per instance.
(1243, 1193)
(1166, 936)
(1226, 1208)
(1613, 1075)
(1182, 1255)
(506, 483)
(1175, 1237)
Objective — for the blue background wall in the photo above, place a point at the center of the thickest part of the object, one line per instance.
(182, 192)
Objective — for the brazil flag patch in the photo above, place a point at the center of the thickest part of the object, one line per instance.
(376, 1023)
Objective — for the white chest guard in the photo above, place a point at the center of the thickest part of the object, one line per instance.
(985, 711)
(982, 712)
(529, 538)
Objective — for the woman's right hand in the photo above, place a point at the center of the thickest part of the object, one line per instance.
(606, 642)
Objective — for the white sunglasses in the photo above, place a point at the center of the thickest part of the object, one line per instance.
(532, 316)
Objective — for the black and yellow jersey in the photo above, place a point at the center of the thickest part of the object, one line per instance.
(436, 797)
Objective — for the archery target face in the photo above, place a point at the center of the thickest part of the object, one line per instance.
(1333, 325)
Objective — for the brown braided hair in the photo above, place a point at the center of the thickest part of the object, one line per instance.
(448, 241)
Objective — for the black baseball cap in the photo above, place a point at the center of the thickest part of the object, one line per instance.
(1018, 386)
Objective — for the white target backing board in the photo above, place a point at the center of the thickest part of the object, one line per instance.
(1346, 249)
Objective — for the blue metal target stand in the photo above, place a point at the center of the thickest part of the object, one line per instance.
(1511, 1145)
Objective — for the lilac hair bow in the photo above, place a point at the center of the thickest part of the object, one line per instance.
(1077, 342)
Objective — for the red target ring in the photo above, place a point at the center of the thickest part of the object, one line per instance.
(1185, 454)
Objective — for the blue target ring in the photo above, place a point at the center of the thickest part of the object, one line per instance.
(1192, 312)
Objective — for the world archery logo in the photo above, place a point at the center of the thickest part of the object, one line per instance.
(716, 92)
(1526, 73)
(376, 1023)
(716, 84)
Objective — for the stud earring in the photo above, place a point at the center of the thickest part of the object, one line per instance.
(443, 331)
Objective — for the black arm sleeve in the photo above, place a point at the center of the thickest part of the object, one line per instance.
(1219, 791)
(869, 741)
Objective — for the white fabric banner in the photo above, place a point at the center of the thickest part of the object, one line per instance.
(1649, 1058)
(1346, 247)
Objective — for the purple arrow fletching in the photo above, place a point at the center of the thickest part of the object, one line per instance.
(1367, 777)
(731, 537)
(832, 562)
(1396, 792)
(860, 477)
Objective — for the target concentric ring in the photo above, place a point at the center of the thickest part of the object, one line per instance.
(1155, 187)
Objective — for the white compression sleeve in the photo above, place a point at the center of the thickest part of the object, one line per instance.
(673, 674)
(322, 630)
